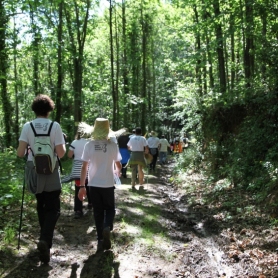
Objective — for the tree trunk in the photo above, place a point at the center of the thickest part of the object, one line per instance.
(220, 48)
(59, 65)
(124, 65)
(35, 49)
(16, 125)
(77, 49)
(114, 96)
(249, 46)
(6, 105)
(144, 71)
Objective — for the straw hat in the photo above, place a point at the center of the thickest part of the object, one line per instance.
(153, 133)
(148, 157)
(101, 129)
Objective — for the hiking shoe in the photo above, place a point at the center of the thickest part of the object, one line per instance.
(44, 251)
(78, 214)
(106, 238)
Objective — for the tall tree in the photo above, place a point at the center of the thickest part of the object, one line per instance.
(6, 104)
(77, 23)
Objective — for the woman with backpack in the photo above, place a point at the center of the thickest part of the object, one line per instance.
(46, 187)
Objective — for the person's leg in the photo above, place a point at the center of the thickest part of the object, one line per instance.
(109, 206)
(133, 174)
(40, 209)
(154, 161)
(78, 205)
(108, 198)
(123, 170)
(96, 198)
(48, 208)
(141, 174)
(162, 157)
(88, 197)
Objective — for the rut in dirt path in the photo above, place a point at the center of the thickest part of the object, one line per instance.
(155, 235)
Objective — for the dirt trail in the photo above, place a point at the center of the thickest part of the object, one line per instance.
(155, 235)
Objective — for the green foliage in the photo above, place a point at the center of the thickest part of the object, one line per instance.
(11, 172)
(190, 159)
(9, 233)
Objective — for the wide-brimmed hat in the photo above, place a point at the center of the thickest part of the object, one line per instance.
(148, 157)
(101, 129)
(153, 133)
(84, 130)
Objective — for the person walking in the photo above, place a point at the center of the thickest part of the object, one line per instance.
(163, 149)
(122, 143)
(185, 142)
(76, 149)
(103, 158)
(153, 144)
(47, 188)
(138, 146)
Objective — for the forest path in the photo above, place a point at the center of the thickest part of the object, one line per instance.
(155, 235)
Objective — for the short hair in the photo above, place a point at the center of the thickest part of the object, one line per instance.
(138, 130)
(42, 105)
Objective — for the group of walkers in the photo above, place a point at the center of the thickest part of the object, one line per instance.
(99, 154)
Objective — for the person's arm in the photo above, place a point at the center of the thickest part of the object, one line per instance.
(147, 150)
(70, 153)
(82, 191)
(60, 150)
(22, 148)
(118, 166)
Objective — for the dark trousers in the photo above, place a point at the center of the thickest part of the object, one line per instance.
(78, 205)
(153, 163)
(123, 170)
(103, 201)
(48, 209)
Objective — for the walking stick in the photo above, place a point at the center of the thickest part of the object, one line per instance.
(22, 201)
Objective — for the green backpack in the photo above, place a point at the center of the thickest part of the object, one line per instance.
(43, 153)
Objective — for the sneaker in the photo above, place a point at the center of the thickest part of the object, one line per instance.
(44, 251)
(99, 246)
(78, 214)
(106, 238)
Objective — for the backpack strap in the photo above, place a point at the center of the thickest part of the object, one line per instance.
(35, 133)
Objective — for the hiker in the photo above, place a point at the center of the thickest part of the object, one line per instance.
(153, 144)
(76, 149)
(103, 158)
(122, 142)
(185, 142)
(163, 149)
(47, 188)
(177, 144)
(138, 146)
(133, 133)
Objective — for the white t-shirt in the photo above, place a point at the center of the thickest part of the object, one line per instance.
(164, 144)
(78, 147)
(137, 143)
(101, 156)
(153, 142)
(41, 126)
